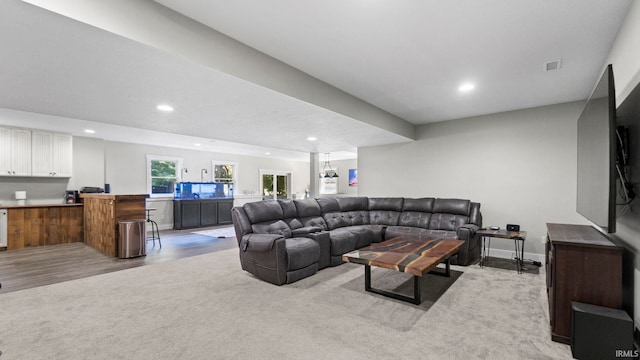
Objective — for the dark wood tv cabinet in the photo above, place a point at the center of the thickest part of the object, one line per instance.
(581, 265)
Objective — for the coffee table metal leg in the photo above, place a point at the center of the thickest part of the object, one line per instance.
(447, 269)
(416, 299)
(367, 278)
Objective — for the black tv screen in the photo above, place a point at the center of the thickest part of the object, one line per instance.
(596, 197)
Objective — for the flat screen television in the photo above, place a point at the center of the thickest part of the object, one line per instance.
(596, 185)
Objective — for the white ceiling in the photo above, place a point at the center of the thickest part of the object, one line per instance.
(406, 57)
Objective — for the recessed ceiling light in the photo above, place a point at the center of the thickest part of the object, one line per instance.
(466, 87)
(89, 131)
(312, 138)
(196, 144)
(267, 153)
(165, 108)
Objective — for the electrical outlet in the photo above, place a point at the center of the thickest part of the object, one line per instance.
(543, 239)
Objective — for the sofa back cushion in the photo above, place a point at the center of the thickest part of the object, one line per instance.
(272, 227)
(415, 219)
(308, 214)
(328, 205)
(385, 211)
(416, 212)
(353, 203)
(447, 222)
(449, 214)
(452, 206)
(420, 205)
(338, 219)
(307, 207)
(316, 221)
(261, 211)
(387, 203)
(384, 217)
(288, 209)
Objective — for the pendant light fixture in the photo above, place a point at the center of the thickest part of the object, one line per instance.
(327, 169)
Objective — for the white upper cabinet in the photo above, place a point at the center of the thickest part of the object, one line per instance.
(15, 152)
(52, 154)
(62, 155)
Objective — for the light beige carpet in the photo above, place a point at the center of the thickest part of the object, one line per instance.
(206, 307)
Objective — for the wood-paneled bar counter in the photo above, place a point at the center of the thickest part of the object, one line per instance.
(103, 212)
(43, 224)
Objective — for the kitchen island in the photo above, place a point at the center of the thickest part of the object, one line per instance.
(103, 212)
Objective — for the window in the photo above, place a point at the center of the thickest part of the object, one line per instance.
(163, 173)
(224, 172)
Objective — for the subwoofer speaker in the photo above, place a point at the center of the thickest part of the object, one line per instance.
(599, 332)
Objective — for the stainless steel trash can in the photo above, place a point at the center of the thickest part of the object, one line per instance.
(132, 238)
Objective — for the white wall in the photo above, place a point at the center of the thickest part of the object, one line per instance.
(88, 163)
(625, 53)
(97, 162)
(125, 169)
(520, 165)
(624, 56)
(343, 167)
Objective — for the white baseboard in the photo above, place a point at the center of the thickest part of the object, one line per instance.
(510, 254)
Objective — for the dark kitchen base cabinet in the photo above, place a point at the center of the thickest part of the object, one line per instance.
(189, 214)
(582, 265)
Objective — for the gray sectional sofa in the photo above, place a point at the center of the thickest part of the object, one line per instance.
(282, 241)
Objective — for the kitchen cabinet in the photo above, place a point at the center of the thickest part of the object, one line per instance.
(41, 225)
(52, 154)
(15, 152)
(200, 213)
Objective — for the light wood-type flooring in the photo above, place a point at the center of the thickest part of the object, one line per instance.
(43, 265)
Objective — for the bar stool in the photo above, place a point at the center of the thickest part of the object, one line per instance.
(155, 232)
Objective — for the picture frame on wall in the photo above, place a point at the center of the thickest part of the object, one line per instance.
(353, 177)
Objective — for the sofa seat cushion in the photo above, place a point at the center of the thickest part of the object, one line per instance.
(395, 231)
(359, 236)
(342, 242)
(272, 227)
(301, 252)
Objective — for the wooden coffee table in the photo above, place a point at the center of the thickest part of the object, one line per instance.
(405, 254)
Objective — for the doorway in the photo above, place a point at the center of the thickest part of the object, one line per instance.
(275, 184)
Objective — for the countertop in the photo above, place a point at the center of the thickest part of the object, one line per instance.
(126, 197)
(9, 204)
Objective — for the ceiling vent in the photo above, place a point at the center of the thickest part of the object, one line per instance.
(552, 65)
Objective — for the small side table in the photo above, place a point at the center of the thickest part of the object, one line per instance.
(518, 238)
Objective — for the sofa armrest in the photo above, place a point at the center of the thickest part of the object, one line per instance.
(470, 250)
(265, 256)
(467, 231)
(323, 239)
(305, 230)
(259, 242)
